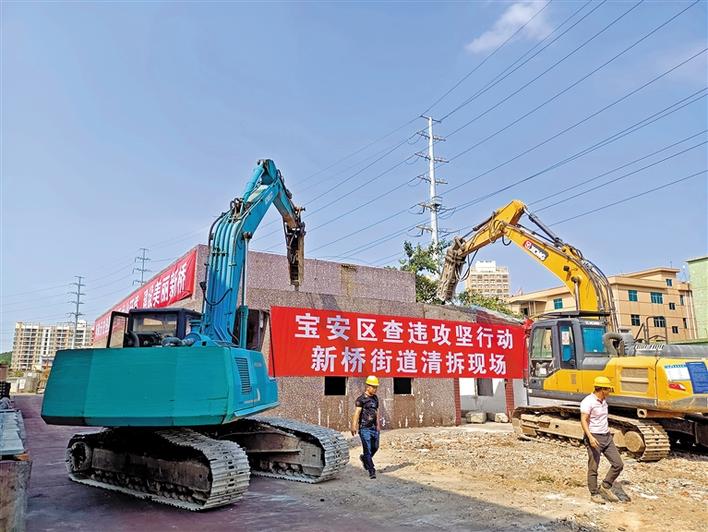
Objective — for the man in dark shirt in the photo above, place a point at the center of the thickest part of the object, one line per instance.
(366, 421)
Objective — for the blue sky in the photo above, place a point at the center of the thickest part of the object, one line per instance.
(128, 125)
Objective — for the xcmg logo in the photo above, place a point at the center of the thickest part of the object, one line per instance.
(533, 248)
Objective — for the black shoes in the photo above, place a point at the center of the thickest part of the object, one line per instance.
(372, 473)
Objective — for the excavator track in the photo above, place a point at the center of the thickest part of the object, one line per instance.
(179, 467)
(288, 449)
(645, 440)
(205, 468)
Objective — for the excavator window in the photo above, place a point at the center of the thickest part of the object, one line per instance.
(567, 346)
(542, 363)
(255, 328)
(164, 324)
(592, 340)
(541, 346)
(116, 330)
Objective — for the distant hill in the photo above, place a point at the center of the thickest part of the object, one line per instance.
(6, 357)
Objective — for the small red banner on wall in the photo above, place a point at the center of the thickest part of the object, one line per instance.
(313, 342)
(173, 284)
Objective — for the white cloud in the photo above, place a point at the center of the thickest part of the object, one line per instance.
(515, 16)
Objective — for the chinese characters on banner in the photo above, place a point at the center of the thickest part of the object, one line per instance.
(171, 285)
(311, 342)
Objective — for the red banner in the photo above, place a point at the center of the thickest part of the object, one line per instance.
(311, 342)
(172, 284)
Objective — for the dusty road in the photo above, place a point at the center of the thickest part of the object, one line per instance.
(467, 477)
(430, 479)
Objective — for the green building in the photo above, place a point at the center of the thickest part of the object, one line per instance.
(698, 274)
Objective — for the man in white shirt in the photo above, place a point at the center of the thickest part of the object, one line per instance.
(598, 440)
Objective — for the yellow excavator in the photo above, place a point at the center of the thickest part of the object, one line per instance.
(660, 391)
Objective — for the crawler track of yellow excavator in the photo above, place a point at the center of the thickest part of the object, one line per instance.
(645, 440)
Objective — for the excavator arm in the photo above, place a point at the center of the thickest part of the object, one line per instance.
(584, 280)
(229, 238)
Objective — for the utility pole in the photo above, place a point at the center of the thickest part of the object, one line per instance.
(77, 294)
(142, 259)
(434, 203)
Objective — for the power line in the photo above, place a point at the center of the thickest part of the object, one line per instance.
(525, 152)
(583, 78)
(399, 127)
(374, 141)
(621, 134)
(667, 111)
(38, 320)
(617, 168)
(341, 197)
(64, 285)
(56, 304)
(623, 176)
(572, 85)
(629, 198)
(562, 132)
(359, 150)
(109, 274)
(502, 76)
(346, 195)
(489, 56)
(379, 156)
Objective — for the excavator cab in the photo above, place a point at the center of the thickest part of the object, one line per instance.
(567, 342)
(148, 327)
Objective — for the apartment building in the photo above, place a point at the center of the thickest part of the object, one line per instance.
(34, 345)
(653, 304)
(488, 279)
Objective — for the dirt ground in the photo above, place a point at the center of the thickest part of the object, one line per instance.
(474, 477)
(483, 477)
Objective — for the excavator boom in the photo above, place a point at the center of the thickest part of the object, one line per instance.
(229, 238)
(584, 280)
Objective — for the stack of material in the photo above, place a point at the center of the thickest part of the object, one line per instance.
(15, 469)
(12, 433)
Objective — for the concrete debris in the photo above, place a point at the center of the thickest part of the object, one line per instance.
(501, 418)
(476, 417)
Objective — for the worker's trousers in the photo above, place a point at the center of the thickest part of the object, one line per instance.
(608, 448)
(370, 444)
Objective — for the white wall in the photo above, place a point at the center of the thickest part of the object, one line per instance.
(469, 400)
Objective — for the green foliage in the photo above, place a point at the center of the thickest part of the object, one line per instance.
(6, 357)
(468, 298)
(422, 263)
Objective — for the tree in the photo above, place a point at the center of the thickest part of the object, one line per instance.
(421, 262)
(6, 357)
(468, 298)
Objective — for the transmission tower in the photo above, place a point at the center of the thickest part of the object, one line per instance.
(434, 203)
(143, 259)
(76, 302)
